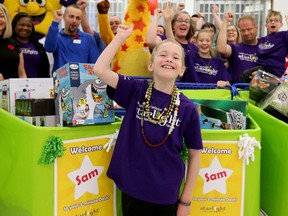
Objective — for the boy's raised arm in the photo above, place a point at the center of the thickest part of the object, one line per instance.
(223, 48)
(102, 66)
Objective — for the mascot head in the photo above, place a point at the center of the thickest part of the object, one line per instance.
(42, 11)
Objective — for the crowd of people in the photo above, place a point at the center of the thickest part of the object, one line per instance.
(220, 54)
(146, 164)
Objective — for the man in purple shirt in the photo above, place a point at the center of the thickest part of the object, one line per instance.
(240, 56)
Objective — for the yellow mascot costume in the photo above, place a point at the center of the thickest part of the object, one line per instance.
(42, 13)
(133, 57)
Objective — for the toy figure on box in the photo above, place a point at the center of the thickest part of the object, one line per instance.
(81, 96)
(92, 94)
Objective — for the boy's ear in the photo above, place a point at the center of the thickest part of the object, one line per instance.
(150, 67)
(182, 71)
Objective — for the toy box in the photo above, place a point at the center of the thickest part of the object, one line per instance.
(276, 102)
(80, 96)
(44, 121)
(222, 114)
(262, 83)
(12, 89)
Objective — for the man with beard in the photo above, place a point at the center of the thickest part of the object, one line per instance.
(70, 44)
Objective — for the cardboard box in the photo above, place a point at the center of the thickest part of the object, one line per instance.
(222, 114)
(12, 89)
(276, 102)
(35, 107)
(262, 83)
(80, 96)
(44, 121)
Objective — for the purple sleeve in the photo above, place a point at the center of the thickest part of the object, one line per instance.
(192, 132)
(125, 90)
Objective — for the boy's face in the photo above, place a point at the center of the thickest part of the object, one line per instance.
(204, 42)
(273, 24)
(168, 62)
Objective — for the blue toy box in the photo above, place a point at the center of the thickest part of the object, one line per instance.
(80, 96)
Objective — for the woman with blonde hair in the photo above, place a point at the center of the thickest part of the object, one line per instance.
(11, 57)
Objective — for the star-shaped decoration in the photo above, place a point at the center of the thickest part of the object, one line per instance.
(139, 39)
(215, 177)
(126, 17)
(124, 47)
(140, 8)
(86, 178)
(116, 66)
(139, 24)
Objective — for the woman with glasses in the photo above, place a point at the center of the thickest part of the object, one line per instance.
(11, 57)
(35, 58)
(178, 26)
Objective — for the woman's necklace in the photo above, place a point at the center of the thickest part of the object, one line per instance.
(174, 105)
(208, 66)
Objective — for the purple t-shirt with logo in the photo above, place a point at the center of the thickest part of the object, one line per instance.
(243, 57)
(32, 59)
(272, 50)
(151, 174)
(206, 70)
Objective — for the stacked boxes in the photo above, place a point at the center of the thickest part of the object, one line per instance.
(80, 96)
(39, 112)
(24, 88)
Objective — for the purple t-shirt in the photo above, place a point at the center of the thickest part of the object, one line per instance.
(32, 59)
(206, 70)
(243, 57)
(151, 174)
(190, 51)
(272, 50)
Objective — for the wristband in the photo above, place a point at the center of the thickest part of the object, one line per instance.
(184, 203)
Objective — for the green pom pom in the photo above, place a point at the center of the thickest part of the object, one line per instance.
(53, 148)
(184, 153)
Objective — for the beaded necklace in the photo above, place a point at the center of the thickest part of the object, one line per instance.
(174, 105)
(208, 66)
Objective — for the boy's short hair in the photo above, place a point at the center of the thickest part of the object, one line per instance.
(209, 25)
(247, 17)
(155, 49)
(274, 13)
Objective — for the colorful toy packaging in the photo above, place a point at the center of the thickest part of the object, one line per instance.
(80, 96)
(276, 102)
(262, 83)
(222, 114)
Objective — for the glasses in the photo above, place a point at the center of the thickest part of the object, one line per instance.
(231, 30)
(273, 20)
(183, 21)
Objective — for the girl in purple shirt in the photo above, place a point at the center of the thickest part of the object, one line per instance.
(207, 69)
(146, 164)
